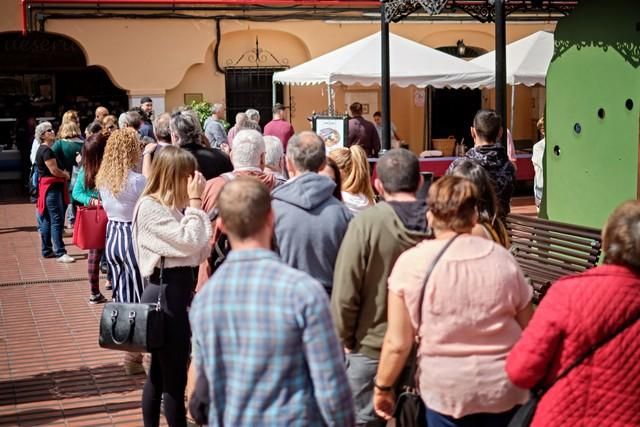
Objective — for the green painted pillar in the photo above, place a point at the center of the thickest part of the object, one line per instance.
(593, 113)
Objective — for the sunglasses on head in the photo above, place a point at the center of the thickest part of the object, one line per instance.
(49, 130)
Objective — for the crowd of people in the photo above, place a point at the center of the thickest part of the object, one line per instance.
(299, 290)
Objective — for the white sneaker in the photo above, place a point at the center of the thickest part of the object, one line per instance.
(65, 259)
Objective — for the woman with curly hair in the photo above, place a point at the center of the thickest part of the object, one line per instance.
(357, 192)
(120, 188)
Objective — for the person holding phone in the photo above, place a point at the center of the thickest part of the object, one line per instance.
(171, 235)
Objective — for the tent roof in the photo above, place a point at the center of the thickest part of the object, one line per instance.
(411, 64)
(527, 59)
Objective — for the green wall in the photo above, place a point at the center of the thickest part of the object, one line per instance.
(596, 66)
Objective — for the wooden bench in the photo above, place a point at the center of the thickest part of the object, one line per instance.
(547, 250)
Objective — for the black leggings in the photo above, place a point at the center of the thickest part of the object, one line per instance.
(168, 372)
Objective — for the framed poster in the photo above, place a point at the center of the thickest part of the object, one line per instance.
(333, 130)
(192, 97)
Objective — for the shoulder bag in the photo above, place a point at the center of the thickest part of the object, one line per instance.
(525, 414)
(90, 227)
(410, 410)
(134, 327)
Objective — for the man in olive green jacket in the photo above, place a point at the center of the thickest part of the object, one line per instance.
(374, 240)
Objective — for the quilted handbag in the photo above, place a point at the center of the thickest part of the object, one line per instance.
(135, 327)
(410, 410)
(90, 228)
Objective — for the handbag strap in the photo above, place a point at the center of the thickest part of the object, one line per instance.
(422, 292)
(594, 347)
(428, 275)
(159, 304)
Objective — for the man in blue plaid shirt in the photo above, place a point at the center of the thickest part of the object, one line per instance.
(263, 339)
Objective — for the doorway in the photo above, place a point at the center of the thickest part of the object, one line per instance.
(251, 87)
(453, 111)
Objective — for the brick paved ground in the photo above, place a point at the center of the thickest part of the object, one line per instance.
(52, 371)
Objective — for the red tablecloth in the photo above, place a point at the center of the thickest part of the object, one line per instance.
(438, 166)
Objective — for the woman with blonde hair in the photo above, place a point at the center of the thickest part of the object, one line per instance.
(68, 148)
(171, 233)
(109, 124)
(467, 313)
(120, 188)
(357, 192)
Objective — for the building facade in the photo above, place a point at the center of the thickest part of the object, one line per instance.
(229, 57)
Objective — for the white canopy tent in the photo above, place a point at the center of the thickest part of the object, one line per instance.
(411, 64)
(528, 60)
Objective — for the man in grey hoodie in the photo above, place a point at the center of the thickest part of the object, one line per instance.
(310, 222)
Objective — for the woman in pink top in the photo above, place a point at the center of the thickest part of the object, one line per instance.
(476, 303)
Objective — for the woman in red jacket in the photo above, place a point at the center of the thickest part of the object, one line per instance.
(580, 311)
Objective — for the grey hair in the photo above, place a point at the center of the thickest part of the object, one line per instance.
(185, 127)
(253, 114)
(216, 108)
(41, 129)
(307, 151)
(250, 124)
(133, 119)
(248, 148)
(162, 127)
(241, 119)
(122, 121)
(273, 152)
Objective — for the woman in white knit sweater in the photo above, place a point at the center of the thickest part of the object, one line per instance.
(165, 236)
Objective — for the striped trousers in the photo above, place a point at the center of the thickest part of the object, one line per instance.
(123, 266)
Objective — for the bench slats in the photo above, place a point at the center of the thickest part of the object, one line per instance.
(547, 250)
(560, 227)
(520, 236)
(561, 238)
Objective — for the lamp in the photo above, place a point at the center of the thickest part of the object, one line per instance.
(462, 48)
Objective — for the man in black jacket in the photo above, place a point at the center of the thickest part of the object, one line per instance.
(486, 130)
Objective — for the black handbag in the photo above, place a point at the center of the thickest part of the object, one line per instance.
(410, 410)
(524, 416)
(134, 327)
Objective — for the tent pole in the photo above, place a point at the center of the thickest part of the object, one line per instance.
(330, 108)
(385, 144)
(513, 108)
(501, 64)
(273, 92)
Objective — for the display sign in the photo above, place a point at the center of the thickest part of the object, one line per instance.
(332, 130)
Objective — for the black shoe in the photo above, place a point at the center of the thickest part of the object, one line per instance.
(49, 255)
(108, 286)
(97, 299)
(104, 269)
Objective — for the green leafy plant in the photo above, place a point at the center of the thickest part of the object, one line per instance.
(203, 109)
(204, 112)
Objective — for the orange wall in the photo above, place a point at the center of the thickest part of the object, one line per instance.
(177, 57)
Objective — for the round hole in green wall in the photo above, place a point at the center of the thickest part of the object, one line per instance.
(629, 104)
(556, 150)
(601, 113)
(577, 128)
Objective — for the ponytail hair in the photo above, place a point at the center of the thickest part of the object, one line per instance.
(354, 170)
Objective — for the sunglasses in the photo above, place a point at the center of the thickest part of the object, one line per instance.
(49, 130)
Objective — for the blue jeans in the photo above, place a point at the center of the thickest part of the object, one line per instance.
(502, 419)
(51, 222)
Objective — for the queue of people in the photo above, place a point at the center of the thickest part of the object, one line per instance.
(296, 295)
